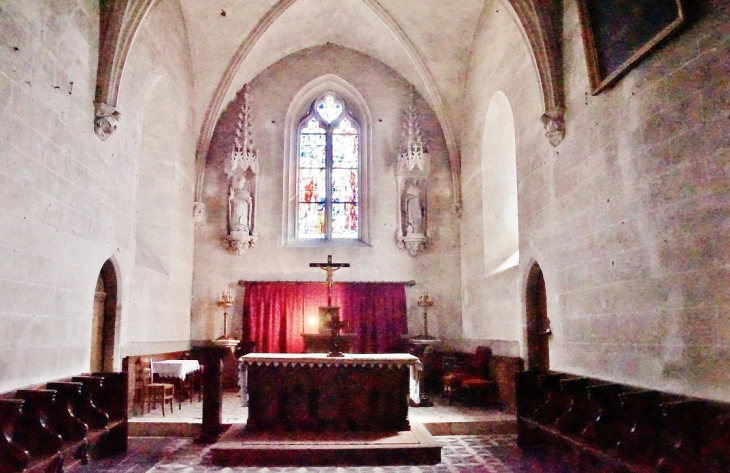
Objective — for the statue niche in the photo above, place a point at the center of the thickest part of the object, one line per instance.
(242, 171)
(411, 176)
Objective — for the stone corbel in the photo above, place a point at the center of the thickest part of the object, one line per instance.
(119, 21)
(540, 22)
(553, 120)
(199, 212)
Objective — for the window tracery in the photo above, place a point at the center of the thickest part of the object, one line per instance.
(328, 172)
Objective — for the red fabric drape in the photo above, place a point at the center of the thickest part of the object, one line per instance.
(277, 312)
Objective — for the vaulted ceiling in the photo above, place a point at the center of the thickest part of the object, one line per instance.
(429, 42)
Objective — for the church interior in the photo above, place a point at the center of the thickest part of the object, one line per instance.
(546, 182)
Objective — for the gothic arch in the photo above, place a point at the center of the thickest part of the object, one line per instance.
(106, 321)
(539, 22)
(119, 23)
(433, 95)
(538, 330)
(302, 99)
(499, 183)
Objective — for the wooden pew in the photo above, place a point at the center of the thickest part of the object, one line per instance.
(54, 428)
(596, 425)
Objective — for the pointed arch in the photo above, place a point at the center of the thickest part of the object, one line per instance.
(540, 23)
(301, 101)
(106, 321)
(538, 329)
(433, 95)
(499, 184)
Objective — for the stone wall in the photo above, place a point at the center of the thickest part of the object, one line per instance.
(67, 199)
(491, 299)
(628, 217)
(386, 95)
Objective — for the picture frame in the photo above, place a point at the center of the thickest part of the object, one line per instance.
(617, 34)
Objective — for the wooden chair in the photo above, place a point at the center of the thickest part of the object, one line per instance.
(156, 392)
(470, 382)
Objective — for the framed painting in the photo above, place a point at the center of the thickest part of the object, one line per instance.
(619, 33)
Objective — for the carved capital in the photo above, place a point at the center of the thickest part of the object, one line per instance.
(554, 123)
(105, 120)
(199, 212)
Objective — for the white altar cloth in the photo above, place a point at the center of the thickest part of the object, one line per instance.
(174, 368)
(390, 360)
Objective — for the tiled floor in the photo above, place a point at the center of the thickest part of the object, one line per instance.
(491, 452)
(460, 453)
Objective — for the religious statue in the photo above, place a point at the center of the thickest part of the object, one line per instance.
(412, 172)
(242, 171)
(239, 208)
(414, 213)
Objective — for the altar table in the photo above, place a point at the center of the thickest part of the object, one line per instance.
(357, 392)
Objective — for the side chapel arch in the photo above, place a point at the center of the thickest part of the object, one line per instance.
(105, 320)
(537, 321)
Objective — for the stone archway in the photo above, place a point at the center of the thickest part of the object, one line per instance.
(538, 324)
(103, 325)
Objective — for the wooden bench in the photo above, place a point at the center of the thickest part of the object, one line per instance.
(57, 426)
(596, 425)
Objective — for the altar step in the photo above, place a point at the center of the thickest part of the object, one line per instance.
(412, 447)
(499, 424)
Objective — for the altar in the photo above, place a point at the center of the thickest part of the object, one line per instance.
(355, 392)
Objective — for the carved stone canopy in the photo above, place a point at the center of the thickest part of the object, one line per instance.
(242, 169)
(412, 171)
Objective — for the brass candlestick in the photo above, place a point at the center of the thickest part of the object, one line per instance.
(225, 301)
(424, 301)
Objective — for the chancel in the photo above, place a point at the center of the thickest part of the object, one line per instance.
(552, 173)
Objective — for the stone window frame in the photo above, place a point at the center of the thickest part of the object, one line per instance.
(299, 107)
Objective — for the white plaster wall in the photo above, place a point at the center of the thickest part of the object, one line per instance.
(628, 217)
(67, 199)
(491, 302)
(386, 94)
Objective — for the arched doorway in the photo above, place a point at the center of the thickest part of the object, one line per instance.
(538, 324)
(103, 325)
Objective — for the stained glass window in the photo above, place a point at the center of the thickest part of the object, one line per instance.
(328, 179)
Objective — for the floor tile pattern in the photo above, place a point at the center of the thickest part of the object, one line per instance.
(460, 453)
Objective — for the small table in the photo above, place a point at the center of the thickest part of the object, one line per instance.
(174, 368)
(316, 392)
(179, 370)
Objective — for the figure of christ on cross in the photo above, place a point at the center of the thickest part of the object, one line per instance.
(334, 324)
(330, 267)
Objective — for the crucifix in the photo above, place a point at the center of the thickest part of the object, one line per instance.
(333, 324)
(330, 267)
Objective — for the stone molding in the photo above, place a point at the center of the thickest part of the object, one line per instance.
(540, 24)
(118, 25)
